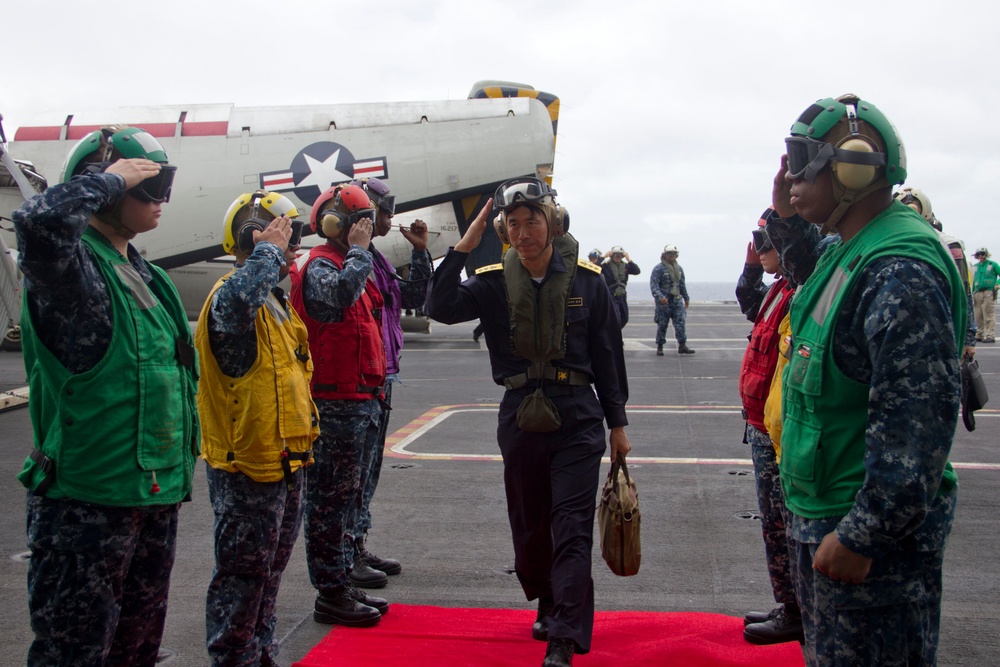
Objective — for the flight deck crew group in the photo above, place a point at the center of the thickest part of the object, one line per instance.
(850, 388)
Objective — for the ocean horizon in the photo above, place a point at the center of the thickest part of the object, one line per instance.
(703, 292)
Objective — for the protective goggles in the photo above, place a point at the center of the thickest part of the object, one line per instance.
(360, 214)
(378, 192)
(761, 241)
(156, 189)
(296, 238)
(808, 157)
(522, 191)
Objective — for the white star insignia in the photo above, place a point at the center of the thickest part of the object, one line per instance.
(323, 174)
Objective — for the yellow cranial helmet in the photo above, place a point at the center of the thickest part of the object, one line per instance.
(250, 212)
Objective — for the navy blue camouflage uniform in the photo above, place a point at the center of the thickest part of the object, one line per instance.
(349, 435)
(118, 559)
(411, 296)
(256, 523)
(661, 283)
(551, 479)
(898, 339)
(750, 294)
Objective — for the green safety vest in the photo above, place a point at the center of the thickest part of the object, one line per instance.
(125, 432)
(825, 413)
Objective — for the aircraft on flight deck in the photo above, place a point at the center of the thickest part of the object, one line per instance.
(442, 160)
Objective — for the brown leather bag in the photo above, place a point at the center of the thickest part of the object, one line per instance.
(618, 519)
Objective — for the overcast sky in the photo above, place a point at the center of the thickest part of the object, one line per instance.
(673, 113)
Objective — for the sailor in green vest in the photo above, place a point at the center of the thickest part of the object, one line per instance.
(870, 394)
(112, 372)
(556, 346)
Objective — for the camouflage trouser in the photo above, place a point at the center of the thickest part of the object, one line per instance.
(771, 502)
(98, 581)
(892, 618)
(256, 525)
(375, 470)
(671, 311)
(349, 433)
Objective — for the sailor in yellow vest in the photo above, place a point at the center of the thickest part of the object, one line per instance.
(259, 422)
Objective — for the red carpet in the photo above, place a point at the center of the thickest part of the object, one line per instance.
(415, 636)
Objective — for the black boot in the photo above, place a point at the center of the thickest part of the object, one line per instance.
(784, 626)
(365, 576)
(559, 653)
(390, 566)
(659, 350)
(540, 630)
(684, 349)
(360, 596)
(341, 608)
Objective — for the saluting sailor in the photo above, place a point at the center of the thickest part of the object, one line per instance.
(552, 333)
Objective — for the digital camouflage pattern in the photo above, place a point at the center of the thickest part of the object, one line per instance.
(896, 338)
(256, 526)
(231, 333)
(71, 310)
(112, 555)
(771, 503)
(349, 432)
(661, 283)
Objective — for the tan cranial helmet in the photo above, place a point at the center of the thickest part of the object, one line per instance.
(910, 196)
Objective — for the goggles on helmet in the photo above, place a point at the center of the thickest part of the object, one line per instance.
(157, 188)
(761, 241)
(808, 157)
(296, 238)
(354, 216)
(521, 191)
(378, 192)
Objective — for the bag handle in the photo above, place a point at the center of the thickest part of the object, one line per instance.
(619, 463)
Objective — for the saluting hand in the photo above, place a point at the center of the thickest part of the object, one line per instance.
(361, 233)
(753, 258)
(474, 234)
(278, 232)
(134, 170)
(781, 194)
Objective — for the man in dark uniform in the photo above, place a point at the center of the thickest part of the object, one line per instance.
(550, 427)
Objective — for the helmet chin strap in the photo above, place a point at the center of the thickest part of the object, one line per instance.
(846, 198)
(113, 219)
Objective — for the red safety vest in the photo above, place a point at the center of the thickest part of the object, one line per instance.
(348, 355)
(762, 353)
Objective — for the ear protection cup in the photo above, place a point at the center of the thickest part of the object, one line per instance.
(244, 240)
(500, 226)
(561, 221)
(855, 176)
(332, 223)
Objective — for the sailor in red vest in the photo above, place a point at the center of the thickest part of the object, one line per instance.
(341, 305)
(767, 306)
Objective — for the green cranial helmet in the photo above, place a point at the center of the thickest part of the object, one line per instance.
(100, 148)
(836, 121)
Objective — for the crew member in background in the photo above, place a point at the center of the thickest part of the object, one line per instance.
(919, 202)
(369, 571)
(342, 310)
(112, 373)
(550, 426)
(870, 395)
(596, 256)
(984, 295)
(258, 426)
(670, 296)
(784, 622)
(616, 269)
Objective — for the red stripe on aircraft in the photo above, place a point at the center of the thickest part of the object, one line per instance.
(76, 132)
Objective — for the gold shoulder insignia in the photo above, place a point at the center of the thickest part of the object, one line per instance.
(587, 264)
(489, 267)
